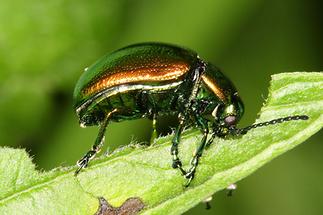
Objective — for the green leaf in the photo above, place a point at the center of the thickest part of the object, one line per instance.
(146, 173)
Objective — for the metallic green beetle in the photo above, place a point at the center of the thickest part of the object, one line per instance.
(152, 79)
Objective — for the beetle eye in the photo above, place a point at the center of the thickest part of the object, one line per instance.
(230, 120)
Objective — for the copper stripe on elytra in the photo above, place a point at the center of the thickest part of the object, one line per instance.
(212, 85)
(152, 74)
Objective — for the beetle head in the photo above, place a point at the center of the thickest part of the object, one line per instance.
(228, 115)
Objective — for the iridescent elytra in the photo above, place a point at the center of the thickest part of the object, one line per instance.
(153, 79)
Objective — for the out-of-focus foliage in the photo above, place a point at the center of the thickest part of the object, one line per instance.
(44, 46)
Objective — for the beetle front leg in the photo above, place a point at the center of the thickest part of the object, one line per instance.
(83, 162)
(210, 141)
(199, 151)
(174, 149)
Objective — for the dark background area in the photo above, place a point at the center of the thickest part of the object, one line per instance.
(45, 45)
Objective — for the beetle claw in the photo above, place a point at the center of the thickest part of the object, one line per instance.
(189, 176)
(82, 163)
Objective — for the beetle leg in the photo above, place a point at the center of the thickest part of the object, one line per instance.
(83, 162)
(196, 79)
(154, 133)
(174, 149)
(210, 141)
(199, 151)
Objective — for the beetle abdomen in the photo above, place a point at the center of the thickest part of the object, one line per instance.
(137, 103)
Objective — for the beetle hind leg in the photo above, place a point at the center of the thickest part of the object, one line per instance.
(84, 161)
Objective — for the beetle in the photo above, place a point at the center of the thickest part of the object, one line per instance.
(153, 79)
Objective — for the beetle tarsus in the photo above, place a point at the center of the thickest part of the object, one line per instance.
(82, 163)
(191, 172)
(189, 176)
(199, 151)
(177, 164)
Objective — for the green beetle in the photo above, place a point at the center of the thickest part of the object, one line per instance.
(152, 79)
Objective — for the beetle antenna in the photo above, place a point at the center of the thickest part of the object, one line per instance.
(272, 122)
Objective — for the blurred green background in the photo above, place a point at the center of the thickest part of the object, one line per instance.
(45, 45)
